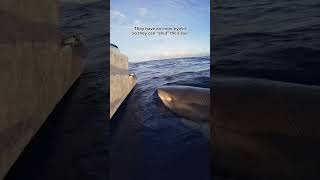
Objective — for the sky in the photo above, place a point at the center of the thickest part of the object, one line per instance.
(192, 14)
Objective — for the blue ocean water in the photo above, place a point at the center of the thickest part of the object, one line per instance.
(278, 40)
(148, 140)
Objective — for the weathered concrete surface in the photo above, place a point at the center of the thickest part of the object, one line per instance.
(35, 72)
(120, 82)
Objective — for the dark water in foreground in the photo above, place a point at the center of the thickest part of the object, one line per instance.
(277, 40)
(150, 142)
(74, 141)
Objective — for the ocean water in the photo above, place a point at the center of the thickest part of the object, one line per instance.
(148, 140)
(74, 141)
(278, 40)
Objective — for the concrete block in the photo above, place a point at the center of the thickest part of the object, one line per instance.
(121, 83)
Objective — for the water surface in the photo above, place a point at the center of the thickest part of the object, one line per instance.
(148, 140)
(276, 40)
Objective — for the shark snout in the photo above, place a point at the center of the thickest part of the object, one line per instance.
(164, 95)
(186, 101)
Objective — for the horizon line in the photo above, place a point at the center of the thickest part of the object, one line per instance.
(169, 58)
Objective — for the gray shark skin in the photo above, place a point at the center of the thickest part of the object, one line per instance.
(266, 106)
(192, 103)
(264, 129)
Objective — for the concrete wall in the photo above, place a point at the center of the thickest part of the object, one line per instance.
(35, 72)
(120, 82)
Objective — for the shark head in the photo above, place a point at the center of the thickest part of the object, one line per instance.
(167, 97)
(189, 102)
